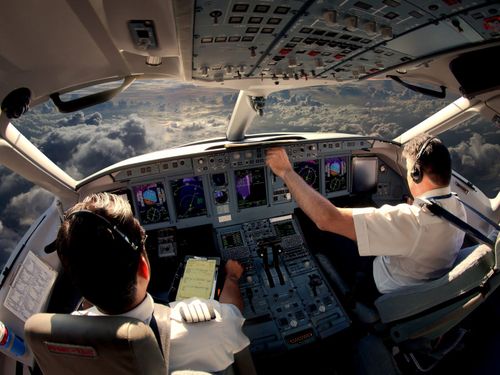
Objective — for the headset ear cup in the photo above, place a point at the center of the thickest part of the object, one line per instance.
(416, 174)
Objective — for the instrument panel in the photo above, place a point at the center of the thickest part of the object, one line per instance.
(230, 204)
(233, 186)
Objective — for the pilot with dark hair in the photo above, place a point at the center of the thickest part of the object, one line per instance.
(101, 246)
(410, 245)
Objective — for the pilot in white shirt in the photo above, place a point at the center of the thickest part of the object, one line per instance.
(411, 245)
(102, 248)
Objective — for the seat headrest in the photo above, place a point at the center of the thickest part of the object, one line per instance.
(64, 344)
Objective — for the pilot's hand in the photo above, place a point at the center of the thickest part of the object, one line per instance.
(234, 269)
(277, 160)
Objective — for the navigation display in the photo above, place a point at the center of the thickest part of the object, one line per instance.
(250, 187)
(151, 203)
(189, 197)
(335, 174)
(309, 171)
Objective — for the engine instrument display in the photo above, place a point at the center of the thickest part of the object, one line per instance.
(189, 197)
(335, 174)
(250, 187)
(151, 203)
(309, 171)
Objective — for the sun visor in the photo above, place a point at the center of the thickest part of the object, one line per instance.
(477, 71)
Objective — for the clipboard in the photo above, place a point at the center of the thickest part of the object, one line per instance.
(199, 278)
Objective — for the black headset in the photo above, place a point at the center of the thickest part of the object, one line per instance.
(113, 228)
(416, 172)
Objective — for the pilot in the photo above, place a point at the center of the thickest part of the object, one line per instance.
(409, 244)
(102, 247)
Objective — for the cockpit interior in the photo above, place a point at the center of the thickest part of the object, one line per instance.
(217, 198)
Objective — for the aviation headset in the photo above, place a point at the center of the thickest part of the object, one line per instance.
(113, 228)
(416, 172)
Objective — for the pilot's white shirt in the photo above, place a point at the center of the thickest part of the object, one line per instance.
(207, 346)
(411, 245)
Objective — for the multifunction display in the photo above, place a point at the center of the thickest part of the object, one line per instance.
(309, 171)
(189, 197)
(250, 187)
(336, 174)
(151, 203)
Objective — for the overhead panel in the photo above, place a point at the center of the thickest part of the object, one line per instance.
(334, 40)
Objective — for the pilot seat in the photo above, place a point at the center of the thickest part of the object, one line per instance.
(415, 319)
(70, 344)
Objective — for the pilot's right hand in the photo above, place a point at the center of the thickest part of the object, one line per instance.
(234, 269)
(277, 160)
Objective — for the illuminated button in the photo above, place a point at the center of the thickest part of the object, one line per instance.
(236, 156)
(322, 308)
(293, 323)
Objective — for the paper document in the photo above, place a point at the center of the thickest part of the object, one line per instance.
(30, 288)
(198, 280)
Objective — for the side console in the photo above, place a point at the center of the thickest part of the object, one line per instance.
(288, 302)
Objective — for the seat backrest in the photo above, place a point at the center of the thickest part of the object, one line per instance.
(432, 308)
(471, 272)
(69, 344)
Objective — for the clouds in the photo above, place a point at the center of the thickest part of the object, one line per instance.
(82, 149)
(8, 240)
(80, 118)
(478, 160)
(26, 207)
(19, 213)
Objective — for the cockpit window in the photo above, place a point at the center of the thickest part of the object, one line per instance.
(148, 116)
(381, 109)
(21, 203)
(475, 151)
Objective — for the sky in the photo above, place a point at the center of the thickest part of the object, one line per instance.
(154, 115)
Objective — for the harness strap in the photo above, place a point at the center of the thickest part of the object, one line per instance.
(437, 210)
(487, 219)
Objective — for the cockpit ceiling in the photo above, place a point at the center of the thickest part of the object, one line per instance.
(238, 43)
(333, 40)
